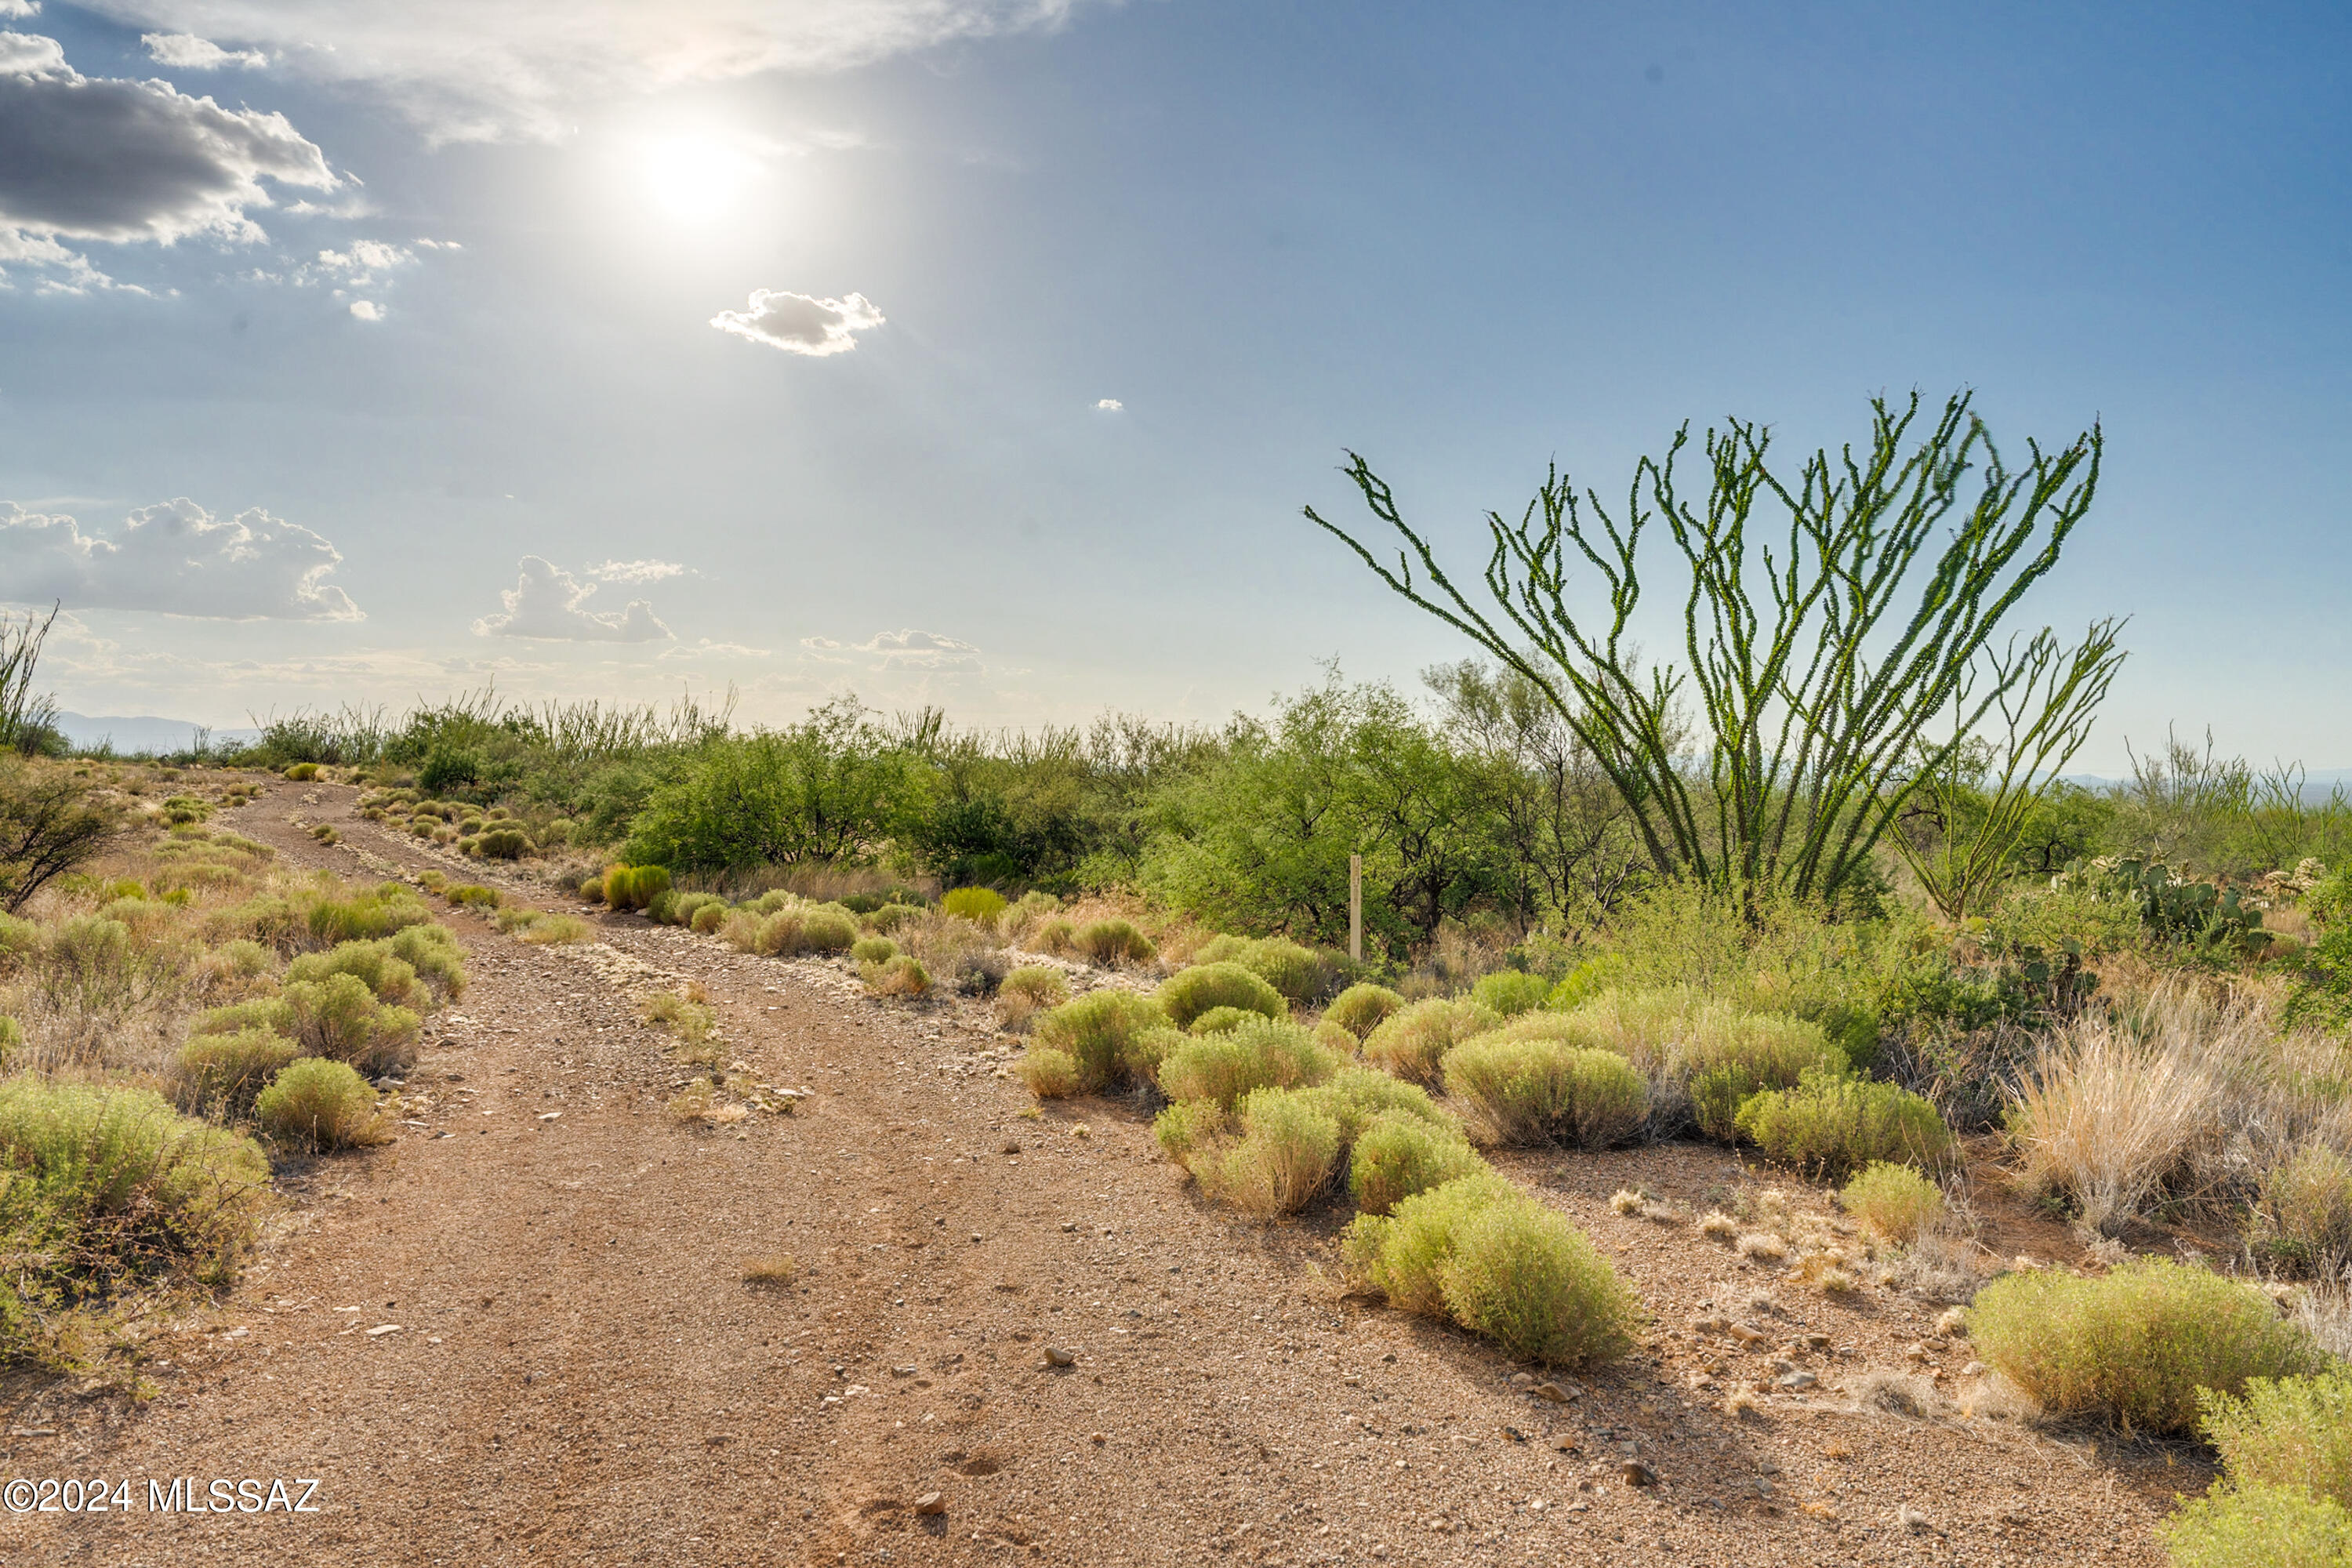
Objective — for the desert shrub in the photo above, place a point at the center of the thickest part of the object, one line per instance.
(1049, 1074)
(634, 886)
(708, 918)
(339, 1017)
(1191, 1129)
(1411, 1042)
(828, 927)
(1362, 1008)
(592, 889)
(503, 843)
(899, 976)
(2304, 1214)
(980, 906)
(1225, 1020)
(1112, 941)
(1727, 1056)
(548, 930)
(1356, 1096)
(2136, 1344)
(873, 950)
(302, 772)
(1396, 1156)
(1477, 1250)
(2286, 1432)
(1511, 992)
(1894, 1200)
(320, 1104)
(1262, 1054)
(245, 958)
(1835, 1124)
(373, 963)
(220, 1074)
(1287, 1149)
(433, 951)
(1038, 984)
(107, 1184)
(1105, 1033)
(1190, 993)
(12, 1040)
(1055, 935)
(269, 1013)
(682, 908)
(2258, 1527)
(366, 917)
(1529, 1089)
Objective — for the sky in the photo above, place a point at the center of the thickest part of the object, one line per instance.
(983, 353)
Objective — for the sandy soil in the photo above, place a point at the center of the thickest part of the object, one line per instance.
(521, 1333)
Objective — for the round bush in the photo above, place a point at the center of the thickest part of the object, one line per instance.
(1360, 1008)
(1288, 1148)
(1511, 992)
(709, 918)
(1412, 1042)
(1396, 1156)
(2258, 1527)
(1261, 1054)
(1190, 993)
(1834, 1124)
(1050, 1074)
(899, 976)
(2136, 1344)
(1895, 1201)
(319, 1104)
(303, 772)
(828, 927)
(1534, 1090)
(873, 950)
(1526, 1278)
(1221, 1021)
(1113, 941)
(1053, 935)
(222, 1073)
(981, 906)
(1038, 984)
(503, 843)
(1101, 1032)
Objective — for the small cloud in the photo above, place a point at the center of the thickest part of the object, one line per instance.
(1109, 405)
(904, 649)
(367, 310)
(439, 244)
(185, 51)
(634, 571)
(801, 324)
(362, 264)
(550, 603)
(17, 10)
(180, 559)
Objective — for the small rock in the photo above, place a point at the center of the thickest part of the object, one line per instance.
(1055, 1356)
(1797, 1380)
(1814, 1341)
(1098, 1439)
(1011, 1146)
(1747, 1334)
(908, 1371)
(1912, 1520)
(1767, 1466)
(1638, 1474)
(1069, 1225)
(931, 1505)
(1974, 1369)
(1710, 1325)
(1555, 1393)
(1523, 1381)
(1784, 1366)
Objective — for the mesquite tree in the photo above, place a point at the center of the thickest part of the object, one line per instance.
(1815, 667)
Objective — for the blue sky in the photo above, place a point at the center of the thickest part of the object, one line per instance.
(1463, 241)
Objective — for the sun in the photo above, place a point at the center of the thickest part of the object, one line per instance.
(695, 178)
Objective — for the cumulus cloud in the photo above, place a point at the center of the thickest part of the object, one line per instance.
(185, 51)
(1109, 405)
(800, 324)
(466, 70)
(550, 603)
(634, 571)
(178, 558)
(94, 158)
(17, 10)
(364, 263)
(367, 310)
(904, 649)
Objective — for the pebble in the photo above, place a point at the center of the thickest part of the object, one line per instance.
(1011, 1146)
(1638, 1474)
(1798, 1380)
(1523, 1381)
(930, 1504)
(1974, 1369)
(1056, 1356)
(1555, 1393)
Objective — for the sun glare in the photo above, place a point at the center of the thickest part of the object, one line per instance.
(695, 178)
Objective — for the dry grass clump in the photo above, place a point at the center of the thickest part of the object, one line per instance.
(1761, 1246)
(1412, 1043)
(1904, 1394)
(1288, 1147)
(319, 1104)
(899, 976)
(1717, 1225)
(1026, 992)
(1529, 1089)
(2303, 1212)
(1501, 1264)
(700, 1101)
(1895, 1201)
(1362, 1008)
(775, 1269)
(1050, 1074)
(2136, 1345)
(1112, 942)
(1190, 993)
(549, 931)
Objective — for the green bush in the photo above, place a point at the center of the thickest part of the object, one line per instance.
(1511, 992)
(1055, 935)
(1113, 941)
(320, 1104)
(107, 1186)
(503, 843)
(246, 957)
(980, 906)
(1102, 1032)
(1895, 1201)
(899, 976)
(1259, 1054)
(303, 772)
(12, 1040)
(1224, 1021)
(1362, 1008)
(873, 950)
(371, 962)
(1189, 1129)
(2304, 1213)
(828, 927)
(433, 951)
(1834, 1124)
(220, 1074)
(1050, 1074)
(270, 1013)
(2286, 1432)
(592, 890)
(1358, 1096)
(1190, 993)
(681, 909)
(2136, 1345)
(1038, 984)
(634, 886)
(1412, 1042)
(472, 896)
(1529, 1090)
(339, 1017)
(1477, 1250)
(1396, 1156)
(1287, 1149)
(367, 917)
(2258, 1527)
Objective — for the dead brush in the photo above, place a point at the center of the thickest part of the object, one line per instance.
(775, 1269)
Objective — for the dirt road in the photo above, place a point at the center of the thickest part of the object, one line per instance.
(521, 1333)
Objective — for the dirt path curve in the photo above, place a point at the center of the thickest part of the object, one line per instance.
(578, 1373)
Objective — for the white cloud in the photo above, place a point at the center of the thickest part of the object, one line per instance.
(185, 51)
(17, 10)
(362, 264)
(94, 158)
(178, 558)
(471, 70)
(634, 571)
(550, 603)
(800, 324)
(904, 649)
(367, 310)
(1109, 405)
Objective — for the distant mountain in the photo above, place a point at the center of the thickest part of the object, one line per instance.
(147, 734)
